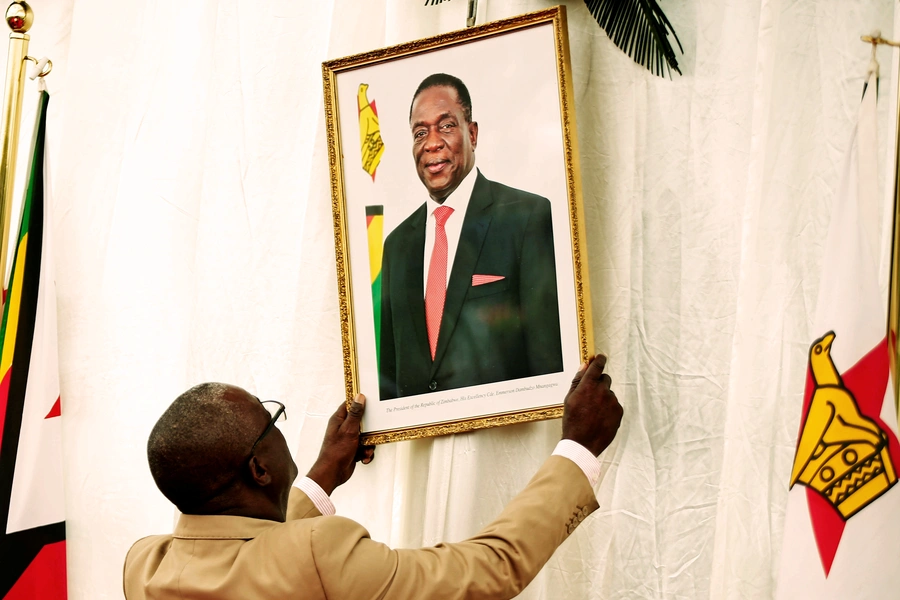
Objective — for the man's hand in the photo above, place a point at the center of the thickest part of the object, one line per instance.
(341, 448)
(592, 413)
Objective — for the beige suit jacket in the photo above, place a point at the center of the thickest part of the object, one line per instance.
(314, 557)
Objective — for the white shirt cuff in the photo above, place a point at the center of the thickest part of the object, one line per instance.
(318, 496)
(581, 456)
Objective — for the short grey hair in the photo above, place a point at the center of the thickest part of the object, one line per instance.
(198, 444)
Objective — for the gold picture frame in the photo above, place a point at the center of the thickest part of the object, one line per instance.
(518, 76)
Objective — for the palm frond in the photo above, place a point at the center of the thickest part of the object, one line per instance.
(641, 30)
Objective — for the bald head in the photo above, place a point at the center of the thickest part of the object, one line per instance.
(197, 448)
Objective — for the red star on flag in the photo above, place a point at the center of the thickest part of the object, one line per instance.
(867, 380)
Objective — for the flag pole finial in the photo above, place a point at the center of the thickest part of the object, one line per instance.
(19, 17)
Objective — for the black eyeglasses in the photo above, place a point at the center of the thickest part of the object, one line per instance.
(276, 409)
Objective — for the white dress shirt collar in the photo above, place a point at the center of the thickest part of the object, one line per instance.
(458, 200)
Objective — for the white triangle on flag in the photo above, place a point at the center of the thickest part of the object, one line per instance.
(37, 490)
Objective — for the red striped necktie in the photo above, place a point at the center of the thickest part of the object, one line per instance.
(436, 289)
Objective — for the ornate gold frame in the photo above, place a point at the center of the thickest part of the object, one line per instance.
(330, 69)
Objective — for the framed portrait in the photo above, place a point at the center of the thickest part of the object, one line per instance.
(458, 228)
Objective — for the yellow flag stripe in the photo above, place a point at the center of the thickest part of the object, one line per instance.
(375, 229)
(15, 300)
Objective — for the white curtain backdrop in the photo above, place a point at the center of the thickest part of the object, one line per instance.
(194, 243)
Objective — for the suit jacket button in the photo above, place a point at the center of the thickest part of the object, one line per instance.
(432, 386)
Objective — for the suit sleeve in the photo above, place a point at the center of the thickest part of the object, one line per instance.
(538, 295)
(496, 563)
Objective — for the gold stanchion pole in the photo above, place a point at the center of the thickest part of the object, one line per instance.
(893, 321)
(894, 301)
(894, 298)
(19, 18)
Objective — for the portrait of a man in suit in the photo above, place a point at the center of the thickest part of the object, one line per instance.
(469, 292)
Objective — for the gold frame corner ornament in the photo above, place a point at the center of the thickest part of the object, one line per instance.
(330, 70)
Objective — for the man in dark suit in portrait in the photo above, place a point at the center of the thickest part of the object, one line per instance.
(469, 279)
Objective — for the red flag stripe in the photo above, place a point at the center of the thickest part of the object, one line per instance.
(4, 399)
(45, 577)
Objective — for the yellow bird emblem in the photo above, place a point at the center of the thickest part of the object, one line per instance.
(842, 454)
(370, 142)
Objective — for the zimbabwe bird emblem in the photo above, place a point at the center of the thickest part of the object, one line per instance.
(370, 142)
(842, 454)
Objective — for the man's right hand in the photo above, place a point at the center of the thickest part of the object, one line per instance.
(591, 414)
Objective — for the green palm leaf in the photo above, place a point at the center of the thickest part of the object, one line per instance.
(638, 27)
(641, 30)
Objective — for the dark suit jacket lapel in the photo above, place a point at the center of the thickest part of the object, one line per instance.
(413, 281)
(474, 230)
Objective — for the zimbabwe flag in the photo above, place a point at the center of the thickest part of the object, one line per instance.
(375, 232)
(841, 527)
(32, 538)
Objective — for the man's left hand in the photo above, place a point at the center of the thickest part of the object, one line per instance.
(341, 448)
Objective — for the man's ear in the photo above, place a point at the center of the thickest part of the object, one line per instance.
(473, 133)
(258, 472)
